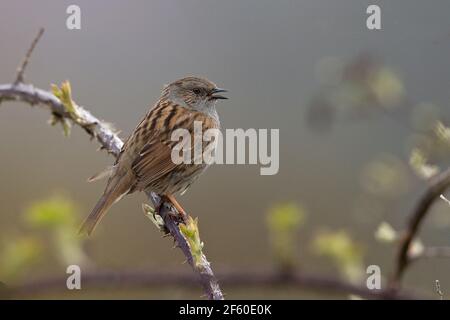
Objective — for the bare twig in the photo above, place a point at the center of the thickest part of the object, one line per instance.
(436, 187)
(23, 65)
(230, 278)
(113, 144)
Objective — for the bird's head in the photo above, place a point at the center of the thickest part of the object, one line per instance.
(194, 93)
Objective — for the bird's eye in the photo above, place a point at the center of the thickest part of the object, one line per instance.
(196, 90)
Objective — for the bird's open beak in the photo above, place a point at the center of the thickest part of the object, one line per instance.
(216, 96)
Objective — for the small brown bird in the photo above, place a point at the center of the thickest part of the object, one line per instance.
(145, 162)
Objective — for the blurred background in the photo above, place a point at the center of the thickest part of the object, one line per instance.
(362, 117)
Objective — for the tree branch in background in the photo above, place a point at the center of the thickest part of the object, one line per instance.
(64, 109)
(236, 278)
(436, 187)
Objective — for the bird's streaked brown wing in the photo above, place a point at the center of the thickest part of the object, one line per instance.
(153, 162)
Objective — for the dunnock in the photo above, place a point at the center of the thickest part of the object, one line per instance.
(145, 162)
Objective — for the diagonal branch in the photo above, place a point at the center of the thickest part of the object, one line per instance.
(112, 143)
(201, 265)
(437, 186)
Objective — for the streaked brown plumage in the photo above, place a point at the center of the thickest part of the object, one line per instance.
(145, 162)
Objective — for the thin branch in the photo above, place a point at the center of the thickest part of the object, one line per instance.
(112, 143)
(436, 187)
(236, 278)
(93, 126)
(23, 65)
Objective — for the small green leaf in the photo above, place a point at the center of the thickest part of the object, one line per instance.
(65, 123)
(66, 127)
(148, 209)
(56, 91)
(155, 218)
(64, 94)
(192, 235)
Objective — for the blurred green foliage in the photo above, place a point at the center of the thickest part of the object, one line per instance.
(386, 87)
(442, 132)
(434, 144)
(418, 162)
(18, 256)
(343, 251)
(385, 177)
(355, 88)
(58, 217)
(283, 222)
(52, 213)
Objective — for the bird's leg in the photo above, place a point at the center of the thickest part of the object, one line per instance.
(182, 215)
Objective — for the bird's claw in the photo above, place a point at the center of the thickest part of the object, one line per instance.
(178, 217)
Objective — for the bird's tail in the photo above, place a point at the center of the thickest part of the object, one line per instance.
(114, 191)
